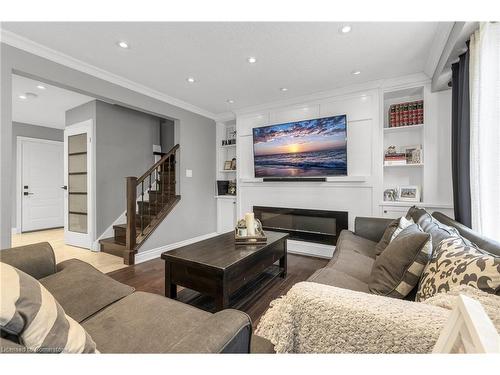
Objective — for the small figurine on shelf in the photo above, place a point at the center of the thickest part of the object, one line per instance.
(390, 150)
(231, 189)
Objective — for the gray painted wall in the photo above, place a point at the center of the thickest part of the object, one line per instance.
(167, 140)
(124, 147)
(20, 129)
(81, 113)
(195, 215)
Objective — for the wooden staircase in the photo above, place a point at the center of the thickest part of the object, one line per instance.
(150, 198)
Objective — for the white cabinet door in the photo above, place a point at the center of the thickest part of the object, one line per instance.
(391, 212)
(226, 215)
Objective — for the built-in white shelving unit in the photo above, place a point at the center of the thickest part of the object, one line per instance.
(396, 175)
(226, 204)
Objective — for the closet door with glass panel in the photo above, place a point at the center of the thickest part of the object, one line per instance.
(78, 213)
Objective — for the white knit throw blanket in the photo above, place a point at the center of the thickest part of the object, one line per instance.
(316, 318)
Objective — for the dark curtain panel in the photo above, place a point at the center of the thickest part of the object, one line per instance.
(460, 140)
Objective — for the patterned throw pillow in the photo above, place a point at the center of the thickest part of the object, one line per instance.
(396, 272)
(31, 313)
(454, 263)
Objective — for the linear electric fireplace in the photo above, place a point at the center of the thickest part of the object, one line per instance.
(318, 226)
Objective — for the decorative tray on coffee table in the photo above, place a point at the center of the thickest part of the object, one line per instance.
(258, 238)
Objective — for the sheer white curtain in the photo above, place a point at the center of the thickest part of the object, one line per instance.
(484, 83)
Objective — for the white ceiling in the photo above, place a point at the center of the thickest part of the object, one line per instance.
(48, 108)
(303, 57)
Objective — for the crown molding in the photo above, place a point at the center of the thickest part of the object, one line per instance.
(38, 49)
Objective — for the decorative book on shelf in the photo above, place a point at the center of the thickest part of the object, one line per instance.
(406, 114)
(405, 155)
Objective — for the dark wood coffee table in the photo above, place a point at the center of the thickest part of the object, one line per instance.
(218, 267)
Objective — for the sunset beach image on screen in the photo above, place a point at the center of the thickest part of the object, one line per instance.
(309, 148)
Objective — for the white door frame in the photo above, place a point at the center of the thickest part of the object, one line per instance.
(85, 241)
(20, 140)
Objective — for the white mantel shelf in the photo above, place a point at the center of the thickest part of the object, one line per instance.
(418, 204)
(328, 179)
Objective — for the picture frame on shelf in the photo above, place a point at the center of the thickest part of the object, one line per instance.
(227, 165)
(413, 154)
(409, 193)
(233, 164)
(390, 195)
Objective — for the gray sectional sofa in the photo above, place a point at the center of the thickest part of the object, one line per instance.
(122, 320)
(352, 262)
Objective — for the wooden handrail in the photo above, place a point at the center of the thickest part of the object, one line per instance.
(158, 163)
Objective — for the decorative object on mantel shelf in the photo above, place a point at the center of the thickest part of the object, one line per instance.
(227, 165)
(249, 231)
(233, 164)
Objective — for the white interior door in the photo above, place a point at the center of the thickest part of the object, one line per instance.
(41, 181)
(78, 167)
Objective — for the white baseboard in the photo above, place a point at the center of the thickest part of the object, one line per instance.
(310, 249)
(143, 256)
(15, 231)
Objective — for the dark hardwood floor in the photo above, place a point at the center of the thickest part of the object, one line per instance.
(149, 277)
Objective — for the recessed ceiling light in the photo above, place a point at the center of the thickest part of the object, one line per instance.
(41, 87)
(230, 101)
(345, 29)
(123, 44)
(283, 89)
(356, 72)
(252, 60)
(23, 97)
(190, 79)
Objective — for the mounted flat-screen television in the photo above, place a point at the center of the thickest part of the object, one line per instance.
(309, 148)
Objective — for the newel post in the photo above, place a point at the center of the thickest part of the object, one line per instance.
(130, 236)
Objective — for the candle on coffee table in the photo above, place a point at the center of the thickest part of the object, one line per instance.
(250, 221)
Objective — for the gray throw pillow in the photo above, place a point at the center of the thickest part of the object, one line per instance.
(396, 272)
(434, 227)
(386, 237)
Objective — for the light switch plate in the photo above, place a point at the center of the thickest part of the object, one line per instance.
(189, 173)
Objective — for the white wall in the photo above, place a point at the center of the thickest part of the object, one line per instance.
(363, 146)
(364, 110)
